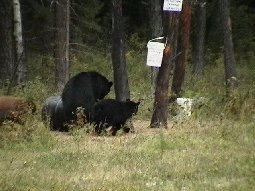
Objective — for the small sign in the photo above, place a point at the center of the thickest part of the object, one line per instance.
(155, 53)
(172, 5)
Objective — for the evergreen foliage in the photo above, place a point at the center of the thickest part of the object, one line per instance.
(211, 150)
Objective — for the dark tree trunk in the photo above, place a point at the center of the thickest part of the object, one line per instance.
(182, 49)
(121, 86)
(159, 117)
(62, 43)
(229, 57)
(199, 41)
(156, 30)
(7, 54)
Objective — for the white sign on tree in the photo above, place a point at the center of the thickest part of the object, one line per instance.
(172, 5)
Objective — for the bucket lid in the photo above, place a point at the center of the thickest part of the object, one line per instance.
(156, 43)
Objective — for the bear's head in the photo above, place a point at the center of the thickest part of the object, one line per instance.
(133, 106)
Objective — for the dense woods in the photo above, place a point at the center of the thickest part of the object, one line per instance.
(91, 24)
(61, 30)
(80, 109)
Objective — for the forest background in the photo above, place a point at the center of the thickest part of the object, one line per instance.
(91, 32)
(213, 149)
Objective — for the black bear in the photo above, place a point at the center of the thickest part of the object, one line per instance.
(84, 90)
(110, 112)
(53, 112)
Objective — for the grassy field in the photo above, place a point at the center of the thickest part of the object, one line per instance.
(194, 155)
(214, 149)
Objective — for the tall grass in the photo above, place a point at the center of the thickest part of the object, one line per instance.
(211, 150)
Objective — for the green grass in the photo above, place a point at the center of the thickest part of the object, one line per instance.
(207, 155)
(212, 150)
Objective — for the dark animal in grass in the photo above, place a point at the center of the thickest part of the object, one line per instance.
(13, 108)
(53, 112)
(83, 90)
(110, 112)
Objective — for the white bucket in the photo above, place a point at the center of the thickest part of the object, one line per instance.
(185, 105)
(155, 52)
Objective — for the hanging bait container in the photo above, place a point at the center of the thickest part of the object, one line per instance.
(155, 52)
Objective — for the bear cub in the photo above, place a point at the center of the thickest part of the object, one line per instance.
(110, 112)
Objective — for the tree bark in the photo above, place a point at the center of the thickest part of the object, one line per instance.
(62, 43)
(229, 56)
(21, 66)
(121, 86)
(7, 54)
(156, 31)
(159, 117)
(182, 49)
(199, 41)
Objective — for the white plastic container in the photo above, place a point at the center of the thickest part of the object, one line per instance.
(185, 105)
(155, 52)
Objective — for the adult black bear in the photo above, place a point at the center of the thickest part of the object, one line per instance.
(83, 90)
(110, 112)
(53, 112)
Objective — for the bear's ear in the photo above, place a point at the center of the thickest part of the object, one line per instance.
(110, 84)
(138, 103)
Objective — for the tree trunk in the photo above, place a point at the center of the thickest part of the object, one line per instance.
(21, 67)
(182, 49)
(121, 86)
(229, 57)
(159, 117)
(7, 55)
(62, 43)
(156, 30)
(199, 42)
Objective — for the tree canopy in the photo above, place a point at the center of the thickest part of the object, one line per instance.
(91, 23)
